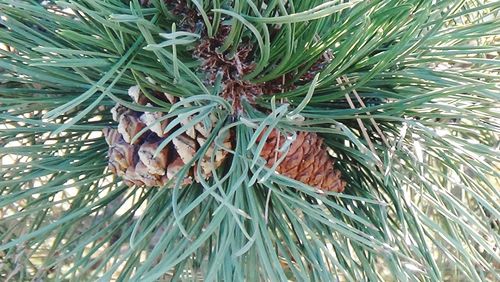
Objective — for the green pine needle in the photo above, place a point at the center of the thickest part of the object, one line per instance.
(407, 100)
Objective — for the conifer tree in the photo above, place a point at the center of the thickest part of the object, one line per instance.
(249, 140)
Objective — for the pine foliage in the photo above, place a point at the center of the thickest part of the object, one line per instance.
(404, 94)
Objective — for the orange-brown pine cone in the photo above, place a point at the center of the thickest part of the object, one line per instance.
(307, 160)
(134, 160)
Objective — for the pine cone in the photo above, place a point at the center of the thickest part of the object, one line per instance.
(135, 161)
(307, 160)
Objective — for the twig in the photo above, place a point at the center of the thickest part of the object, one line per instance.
(329, 56)
(362, 127)
(372, 120)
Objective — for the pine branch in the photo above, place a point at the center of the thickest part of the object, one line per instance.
(403, 93)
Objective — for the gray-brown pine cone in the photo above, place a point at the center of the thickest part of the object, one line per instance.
(134, 160)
